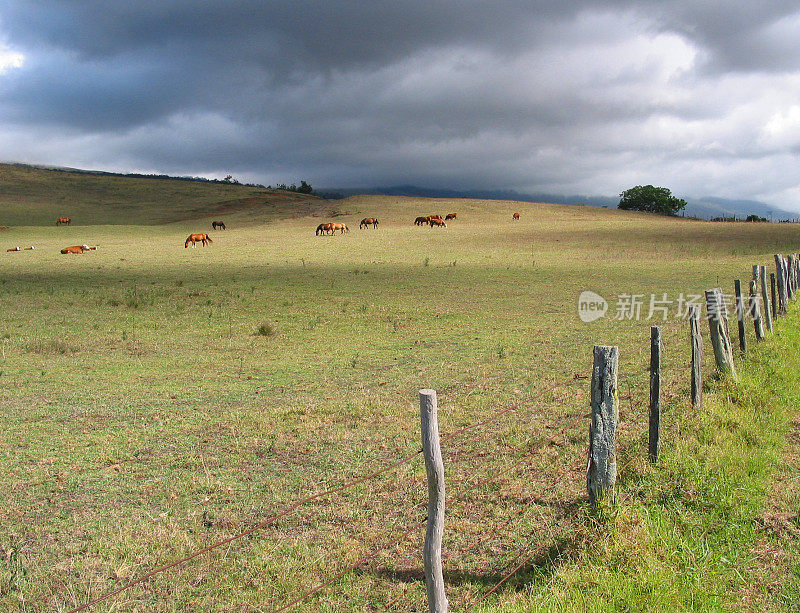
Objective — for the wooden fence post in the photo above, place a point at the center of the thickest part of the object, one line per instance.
(756, 269)
(755, 313)
(780, 276)
(790, 274)
(779, 282)
(762, 272)
(601, 474)
(434, 467)
(654, 440)
(740, 314)
(772, 293)
(718, 327)
(697, 357)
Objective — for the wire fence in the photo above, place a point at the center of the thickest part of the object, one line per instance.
(455, 443)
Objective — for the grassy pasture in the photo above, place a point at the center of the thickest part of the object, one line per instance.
(157, 399)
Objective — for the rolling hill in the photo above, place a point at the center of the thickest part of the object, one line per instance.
(35, 196)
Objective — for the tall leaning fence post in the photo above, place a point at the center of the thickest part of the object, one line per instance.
(697, 357)
(601, 474)
(755, 312)
(762, 273)
(654, 438)
(780, 276)
(434, 468)
(718, 327)
(740, 314)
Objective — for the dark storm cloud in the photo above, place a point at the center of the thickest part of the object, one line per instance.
(578, 96)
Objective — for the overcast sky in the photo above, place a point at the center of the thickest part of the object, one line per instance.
(565, 96)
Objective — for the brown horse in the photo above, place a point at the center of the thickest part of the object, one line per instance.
(438, 222)
(324, 228)
(516, 216)
(218, 224)
(450, 216)
(14, 249)
(421, 221)
(368, 221)
(64, 220)
(197, 238)
(342, 227)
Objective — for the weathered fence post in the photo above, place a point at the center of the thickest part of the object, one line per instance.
(791, 286)
(697, 357)
(434, 467)
(718, 327)
(765, 296)
(772, 293)
(601, 474)
(654, 446)
(756, 269)
(780, 275)
(740, 315)
(755, 313)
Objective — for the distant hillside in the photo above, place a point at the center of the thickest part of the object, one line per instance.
(705, 208)
(31, 195)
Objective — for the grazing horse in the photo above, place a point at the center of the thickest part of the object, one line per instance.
(342, 227)
(76, 249)
(218, 224)
(421, 221)
(64, 220)
(324, 228)
(368, 221)
(450, 216)
(516, 216)
(438, 222)
(197, 238)
(14, 249)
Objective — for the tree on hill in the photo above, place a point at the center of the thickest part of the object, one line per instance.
(651, 199)
(304, 188)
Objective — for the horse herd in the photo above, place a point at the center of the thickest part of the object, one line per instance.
(329, 228)
(435, 221)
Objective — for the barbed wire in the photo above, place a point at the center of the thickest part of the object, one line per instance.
(258, 526)
(349, 568)
(262, 524)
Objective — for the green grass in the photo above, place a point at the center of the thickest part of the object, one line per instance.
(156, 399)
(689, 533)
